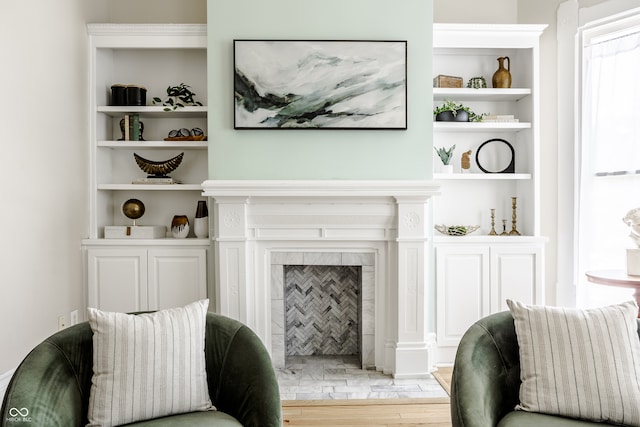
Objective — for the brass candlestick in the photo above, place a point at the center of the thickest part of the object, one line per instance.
(493, 223)
(513, 231)
(504, 228)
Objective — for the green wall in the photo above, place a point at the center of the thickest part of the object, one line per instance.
(319, 154)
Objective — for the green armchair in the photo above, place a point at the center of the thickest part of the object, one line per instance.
(485, 383)
(54, 380)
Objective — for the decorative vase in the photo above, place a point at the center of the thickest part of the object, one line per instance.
(201, 221)
(180, 226)
(502, 76)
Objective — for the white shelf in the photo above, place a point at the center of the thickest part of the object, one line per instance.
(481, 176)
(166, 241)
(155, 111)
(486, 239)
(486, 94)
(479, 127)
(128, 145)
(150, 187)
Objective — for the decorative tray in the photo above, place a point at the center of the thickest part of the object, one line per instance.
(186, 138)
(456, 230)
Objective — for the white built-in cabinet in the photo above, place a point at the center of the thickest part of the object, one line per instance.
(126, 274)
(476, 273)
(137, 279)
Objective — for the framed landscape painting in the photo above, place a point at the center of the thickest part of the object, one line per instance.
(316, 84)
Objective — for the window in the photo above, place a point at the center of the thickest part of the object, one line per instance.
(608, 166)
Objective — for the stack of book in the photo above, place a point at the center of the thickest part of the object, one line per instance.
(500, 118)
(132, 127)
(154, 180)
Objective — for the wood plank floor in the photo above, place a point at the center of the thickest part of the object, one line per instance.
(432, 412)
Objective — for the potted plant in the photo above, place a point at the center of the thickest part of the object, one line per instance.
(178, 96)
(445, 156)
(451, 111)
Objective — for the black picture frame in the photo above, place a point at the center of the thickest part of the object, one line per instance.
(320, 84)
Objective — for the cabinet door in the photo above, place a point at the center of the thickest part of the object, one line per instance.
(516, 273)
(176, 277)
(462, 286)
(117, 279)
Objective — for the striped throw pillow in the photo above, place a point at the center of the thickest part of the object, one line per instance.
(148, 365)
(580, 363)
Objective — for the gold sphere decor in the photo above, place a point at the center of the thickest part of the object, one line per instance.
(133, 209)
(158, 169)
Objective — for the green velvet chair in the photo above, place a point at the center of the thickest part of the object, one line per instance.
(485, 383)
(54, 380)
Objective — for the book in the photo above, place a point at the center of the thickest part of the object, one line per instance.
(127, 134)
(135, 127)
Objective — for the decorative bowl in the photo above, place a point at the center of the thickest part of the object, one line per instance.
(456, 230)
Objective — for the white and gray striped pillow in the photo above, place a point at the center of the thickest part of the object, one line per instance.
(580, 363)
(148, 365)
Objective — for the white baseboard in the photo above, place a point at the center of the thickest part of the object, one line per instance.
(4, 383)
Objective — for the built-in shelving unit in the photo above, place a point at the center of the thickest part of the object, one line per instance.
(487, 269)
(130, 274)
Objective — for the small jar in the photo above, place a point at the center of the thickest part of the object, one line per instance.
(118, 94)
(136, 95)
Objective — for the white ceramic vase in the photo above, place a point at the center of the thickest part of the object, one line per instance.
(201, 227)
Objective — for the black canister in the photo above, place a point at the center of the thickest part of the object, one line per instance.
(136, 95)
(118, 94)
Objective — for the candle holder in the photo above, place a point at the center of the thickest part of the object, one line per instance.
(493, 223)
(504, 228)
(514, 231)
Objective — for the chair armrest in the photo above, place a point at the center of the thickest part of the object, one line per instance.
(240, 374)
(44, 390)
(486, 375)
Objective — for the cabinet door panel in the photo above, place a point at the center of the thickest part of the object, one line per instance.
(462, 290)
(117, 279)
(176, 277)
(516, 273)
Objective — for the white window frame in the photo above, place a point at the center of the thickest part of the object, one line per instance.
(575, 27)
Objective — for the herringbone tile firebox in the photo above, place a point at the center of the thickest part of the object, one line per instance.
(322, 310)
(336, 293)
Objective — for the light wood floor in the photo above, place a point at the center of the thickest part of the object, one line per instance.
(433, 412)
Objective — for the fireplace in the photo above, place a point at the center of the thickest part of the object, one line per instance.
(379, 227)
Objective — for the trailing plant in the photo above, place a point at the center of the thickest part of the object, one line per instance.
(454, 107)
(445, 155)
(178, 97)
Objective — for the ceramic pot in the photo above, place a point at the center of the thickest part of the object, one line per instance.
(180, 226)
(502, 76)
(447, 169)
(461, 116)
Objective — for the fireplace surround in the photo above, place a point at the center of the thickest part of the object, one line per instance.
(384, 224)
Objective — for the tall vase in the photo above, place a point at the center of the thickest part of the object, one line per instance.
(502, 76)
(201, 220)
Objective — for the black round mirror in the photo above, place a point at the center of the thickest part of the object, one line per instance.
(496, 156)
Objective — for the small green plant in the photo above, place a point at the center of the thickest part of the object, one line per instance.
(445, 155)
(454, 107)
(178, 97)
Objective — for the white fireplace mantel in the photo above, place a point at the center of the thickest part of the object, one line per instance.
(320, 188)
(389, 219)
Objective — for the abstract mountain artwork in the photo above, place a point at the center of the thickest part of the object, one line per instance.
(284, 84)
